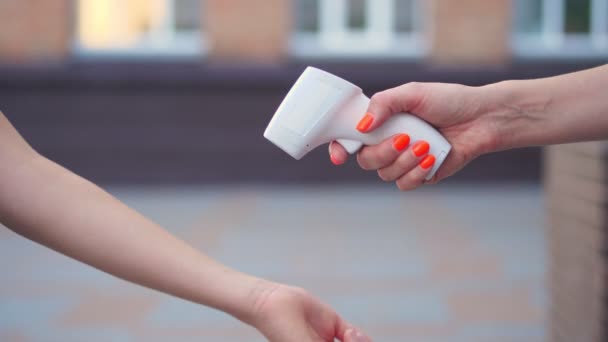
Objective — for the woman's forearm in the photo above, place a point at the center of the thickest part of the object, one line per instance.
(555, 110)
(52, 206)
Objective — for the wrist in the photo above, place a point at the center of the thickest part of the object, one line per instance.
(249, 298)
(270, 301)
(511, 111)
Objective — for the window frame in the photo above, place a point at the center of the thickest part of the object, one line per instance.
(553, 41)
(164, 40)
(378, 39)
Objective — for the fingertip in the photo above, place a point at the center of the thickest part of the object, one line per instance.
(420, 148)
(365, 123)
(381, 107)
(401, 141)
(348, 335)
(343, 329)
(337, 153)
(365, 338)
(427, 162)
(417, 176)
(355, 335)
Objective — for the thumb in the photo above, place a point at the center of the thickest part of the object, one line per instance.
(384, 104)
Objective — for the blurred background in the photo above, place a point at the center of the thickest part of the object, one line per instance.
(164, 102)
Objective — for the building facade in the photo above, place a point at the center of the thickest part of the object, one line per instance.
(154, 91)
(445, 32)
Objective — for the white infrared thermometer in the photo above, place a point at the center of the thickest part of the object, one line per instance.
(321, 107)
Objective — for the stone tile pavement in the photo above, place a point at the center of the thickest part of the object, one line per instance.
(443, 264)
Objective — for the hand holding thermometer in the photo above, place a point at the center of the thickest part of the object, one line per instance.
(321, 107)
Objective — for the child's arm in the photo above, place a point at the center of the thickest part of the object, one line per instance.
(52, 206)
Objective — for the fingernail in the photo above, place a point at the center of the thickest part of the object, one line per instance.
(365, 123)
(427, 162)
(420, 148)
(359, 337)
(334, 160)
(401, 141)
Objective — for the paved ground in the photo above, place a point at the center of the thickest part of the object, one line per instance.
(449, 264)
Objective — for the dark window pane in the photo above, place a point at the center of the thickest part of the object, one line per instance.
(405, 15)
(356, 14)
(187, 15)
(578, 16)
(306, 15)
(527, 16)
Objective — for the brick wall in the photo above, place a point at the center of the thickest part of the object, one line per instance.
(245, 30)
(576, 179)
(32, 30)
(462, 32)
(469, 32)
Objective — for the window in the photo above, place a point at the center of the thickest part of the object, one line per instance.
(139, 27)
(358, 28)
(566, 28)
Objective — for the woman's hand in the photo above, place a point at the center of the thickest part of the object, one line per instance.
(459, 112)
(286, 314)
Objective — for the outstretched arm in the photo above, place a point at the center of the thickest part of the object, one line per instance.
(554, 110)
(479, 120)
(54, 207)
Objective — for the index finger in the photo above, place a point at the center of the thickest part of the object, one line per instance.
(383, 104)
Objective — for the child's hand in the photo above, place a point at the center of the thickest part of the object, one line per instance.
(39, 199)
(285, 314)
(457, 111)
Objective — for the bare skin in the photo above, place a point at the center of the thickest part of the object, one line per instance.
(480, 120)
(46, 203)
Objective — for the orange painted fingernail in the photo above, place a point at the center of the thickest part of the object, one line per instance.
(401, 141)
(334, 160)
(420, 148)
(427, 162)
(365, 123)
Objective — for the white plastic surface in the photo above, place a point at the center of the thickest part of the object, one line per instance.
(321, 107)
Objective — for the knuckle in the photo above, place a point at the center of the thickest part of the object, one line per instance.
(408, 182)
(460, 87)
(377, 97)
(363, 162)
(433, 181)
(402, 186)
(374, 157)
(298, 291)
(403, 183)
(404, 162)
(386, 155)
(388, 152)
(384, 176)
(415, 87)
(416, 93)
(381, 98)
